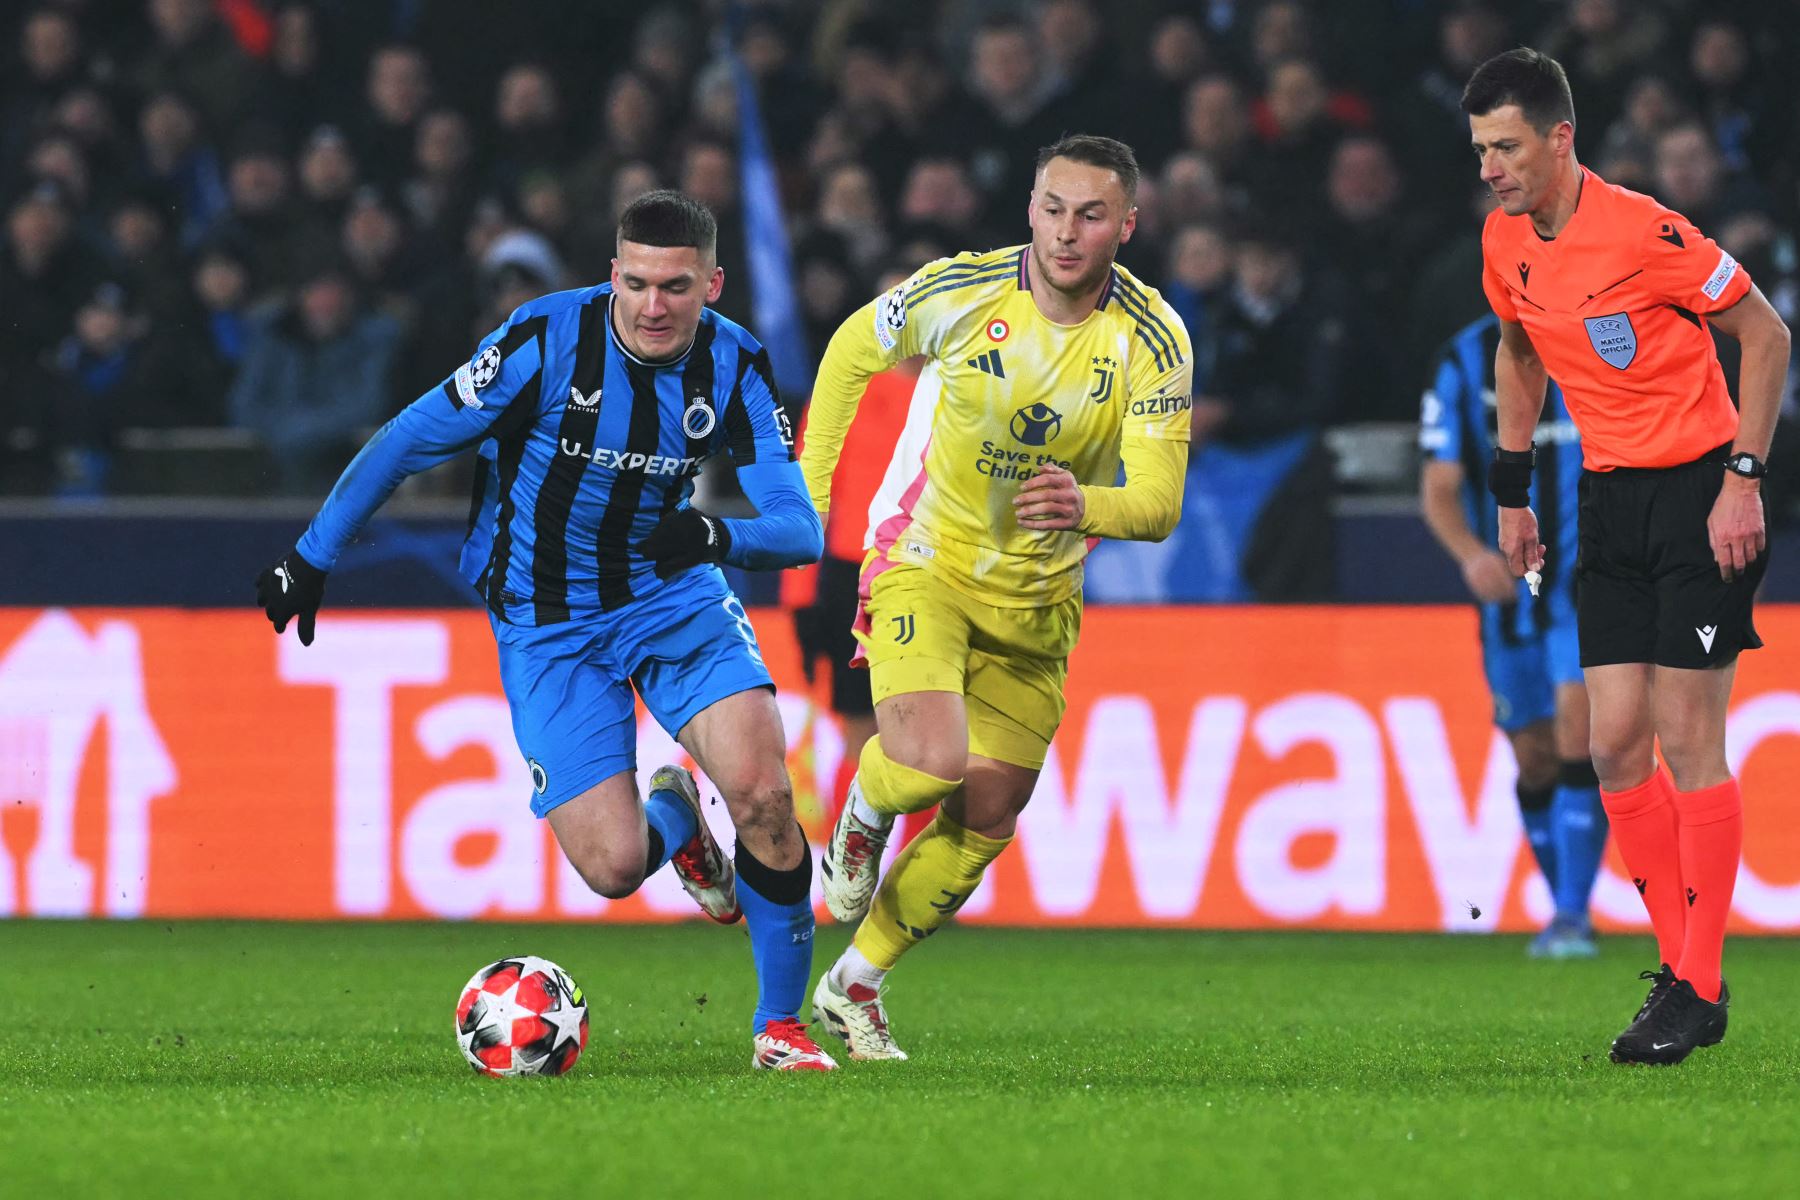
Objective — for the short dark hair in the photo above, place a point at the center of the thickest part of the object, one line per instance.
(665, 217)
(1096, 151)
(1528, 78)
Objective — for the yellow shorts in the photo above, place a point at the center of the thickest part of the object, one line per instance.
(1009, 664)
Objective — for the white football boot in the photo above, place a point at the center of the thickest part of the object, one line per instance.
(856, 1015)
(852, 863)
(705, 873)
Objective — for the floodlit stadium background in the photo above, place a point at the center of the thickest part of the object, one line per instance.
(1252, 764)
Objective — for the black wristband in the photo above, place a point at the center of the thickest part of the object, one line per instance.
(1528, 457)
(1509, 482)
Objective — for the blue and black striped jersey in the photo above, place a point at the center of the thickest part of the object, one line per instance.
(584, 448)
(1457, 424)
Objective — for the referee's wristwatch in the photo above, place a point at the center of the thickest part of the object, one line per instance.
(1746, 464)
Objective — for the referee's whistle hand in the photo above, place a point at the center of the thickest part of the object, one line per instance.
(1519, 541)
(1735, 526)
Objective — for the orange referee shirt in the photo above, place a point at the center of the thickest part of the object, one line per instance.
(1616, 308)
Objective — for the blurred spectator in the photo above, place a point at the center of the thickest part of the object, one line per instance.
(58, 158)
(1198, 287)
(709, 174)
(43, 275)
(198, 354)
(828, 286)
(1263, 474)
(328, 176)
(1447, 294)
(1083, 66)
(1745, 120)
(261, 214)
(1690, 178)
(1627, 153)
(530, 132)
(1216, 125)
(86, 115)
(1189, 190)
(298, 92)
(1375, 249)
(1013, 116)
(663, 51)
(173, 157)
(96, 388)
(49, 62)
(850, 207)
(789, 99)
(1299, 136)
(440, 195)
(543, 201)
(1179, 54)
(517, 266)
(50, 53)
(192, 52)
(398, 89)
(938, 192)
(143, 250)
(1603, 45)
(1429, 114)
(315, 378)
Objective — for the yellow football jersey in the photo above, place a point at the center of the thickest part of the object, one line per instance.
(1004, 390)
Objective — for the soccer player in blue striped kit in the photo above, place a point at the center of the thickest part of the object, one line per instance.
(1529, 646)
(592, 411)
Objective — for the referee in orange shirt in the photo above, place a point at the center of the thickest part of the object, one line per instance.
(1611, 294)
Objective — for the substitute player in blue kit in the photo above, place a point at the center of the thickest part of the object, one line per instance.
(1529, 645)
(592, 411)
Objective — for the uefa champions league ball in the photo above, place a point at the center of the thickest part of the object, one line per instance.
(521, 1016)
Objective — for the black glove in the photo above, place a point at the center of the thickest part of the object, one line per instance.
(291, 588)
(813, 632)
(685, 538)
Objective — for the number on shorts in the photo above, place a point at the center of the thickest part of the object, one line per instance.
(734, 608)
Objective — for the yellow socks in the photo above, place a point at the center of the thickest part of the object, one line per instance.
(926, 885)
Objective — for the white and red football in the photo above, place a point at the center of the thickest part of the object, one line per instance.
(521, 1016)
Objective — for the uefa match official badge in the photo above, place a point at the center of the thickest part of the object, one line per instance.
(1613, 338)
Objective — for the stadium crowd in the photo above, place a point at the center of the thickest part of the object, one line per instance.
(292, 216)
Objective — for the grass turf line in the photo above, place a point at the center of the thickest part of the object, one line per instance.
(296, 1060)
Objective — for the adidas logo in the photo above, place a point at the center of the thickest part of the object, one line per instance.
(989, 362)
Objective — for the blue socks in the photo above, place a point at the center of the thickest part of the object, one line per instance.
(1578, 830)
(672, 826)
(1535, 810)
(779, 916)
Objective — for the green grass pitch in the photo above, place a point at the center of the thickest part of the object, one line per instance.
(255, 1060)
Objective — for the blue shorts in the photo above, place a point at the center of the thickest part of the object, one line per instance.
(688, 645)
(1523, 673)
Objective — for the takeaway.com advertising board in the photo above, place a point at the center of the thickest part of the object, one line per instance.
(1222, 767)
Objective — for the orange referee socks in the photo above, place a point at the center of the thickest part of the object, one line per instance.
(1645, 827)
(1712, 840)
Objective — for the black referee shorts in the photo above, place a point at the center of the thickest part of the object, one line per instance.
(1647, 589)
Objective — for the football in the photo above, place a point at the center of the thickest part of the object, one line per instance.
(521, 1016)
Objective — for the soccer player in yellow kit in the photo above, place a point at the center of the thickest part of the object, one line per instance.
(1047, 366)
